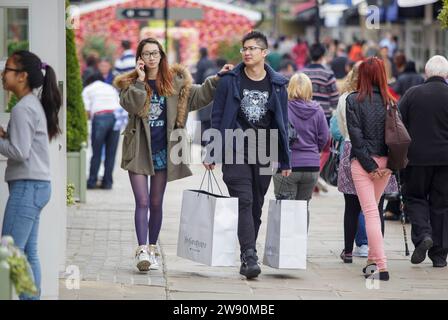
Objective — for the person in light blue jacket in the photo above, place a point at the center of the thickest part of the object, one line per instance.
(361, 241)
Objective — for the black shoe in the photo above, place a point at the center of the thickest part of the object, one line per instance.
(249, 264)
(437, 260)
(439, 264)
(91, 187)
(106, 187)
(369, 269)
(378, 275)
(346, 257)
(419, 254)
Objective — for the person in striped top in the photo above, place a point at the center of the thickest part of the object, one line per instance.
(323, 80)
(126, 62)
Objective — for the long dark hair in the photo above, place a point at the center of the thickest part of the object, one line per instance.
(50, 96)
(372, 73)
(164, 80)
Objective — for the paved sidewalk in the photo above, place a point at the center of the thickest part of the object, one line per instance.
(102, 242)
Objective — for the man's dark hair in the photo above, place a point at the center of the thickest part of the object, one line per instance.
(125, 44)
(410, 67)
(92, 60)
(203, 52)
(259, 37)
(317, 51)
(220, 62)
(94, 77)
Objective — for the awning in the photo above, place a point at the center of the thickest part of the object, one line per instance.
(250, 14)
(414, 3)
(305, 12)
(332, 13)
(303, 7)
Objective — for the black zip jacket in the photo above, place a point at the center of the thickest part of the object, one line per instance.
(366, 124)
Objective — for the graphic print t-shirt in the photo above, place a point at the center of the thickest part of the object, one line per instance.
(157, 119)
(254, 110)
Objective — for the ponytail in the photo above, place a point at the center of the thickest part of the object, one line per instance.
(51, 101)
(50, 96)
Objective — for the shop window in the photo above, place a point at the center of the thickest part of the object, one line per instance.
(14, 35)
(441, 42)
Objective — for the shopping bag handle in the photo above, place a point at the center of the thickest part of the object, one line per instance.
(280, 189)
(210, 182)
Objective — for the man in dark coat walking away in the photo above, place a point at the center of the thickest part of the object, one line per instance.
(424, 109)
(203, 65)
(407, 79)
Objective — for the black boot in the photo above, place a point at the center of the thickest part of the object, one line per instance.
(378, 275)
(249, 264)
(419, 254)
(438, 257)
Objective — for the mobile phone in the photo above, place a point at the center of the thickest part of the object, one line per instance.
(144, 67)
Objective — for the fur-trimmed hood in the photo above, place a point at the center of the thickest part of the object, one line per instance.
(182, 83)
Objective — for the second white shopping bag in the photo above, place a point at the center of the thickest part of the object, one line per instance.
(208, 227)
(286, 235)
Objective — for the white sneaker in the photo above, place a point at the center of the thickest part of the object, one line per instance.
(362, 251)
(153, 257)
(142, 259)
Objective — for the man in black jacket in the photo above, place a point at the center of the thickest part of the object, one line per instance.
(250, 98)
(407, 79)
(424, 110)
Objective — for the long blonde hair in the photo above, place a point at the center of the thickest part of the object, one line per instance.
(300, 87)
(351, 81)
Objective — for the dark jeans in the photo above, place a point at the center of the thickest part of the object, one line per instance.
(103, 134)
(361, 233)
(245, 183)
(426, 201)
(351, 218)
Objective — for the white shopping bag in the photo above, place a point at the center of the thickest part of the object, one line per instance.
(208, 228)
(286, 236)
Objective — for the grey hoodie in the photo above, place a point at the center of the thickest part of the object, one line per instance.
(27, 145)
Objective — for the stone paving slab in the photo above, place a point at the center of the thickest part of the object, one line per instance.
(101, 241)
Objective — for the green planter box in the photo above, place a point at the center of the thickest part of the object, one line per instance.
(76, 173)
(5, 282)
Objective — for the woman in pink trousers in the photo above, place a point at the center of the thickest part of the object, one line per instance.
(366, 114)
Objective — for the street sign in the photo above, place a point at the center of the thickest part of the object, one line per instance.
(176, 14)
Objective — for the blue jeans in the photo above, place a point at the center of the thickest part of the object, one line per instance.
(103, 134)
(21, 221)
(361, 234)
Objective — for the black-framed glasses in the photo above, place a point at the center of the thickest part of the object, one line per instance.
(12, 69)
(251, 49)
(149, 54)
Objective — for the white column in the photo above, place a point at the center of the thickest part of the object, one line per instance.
(47, 40)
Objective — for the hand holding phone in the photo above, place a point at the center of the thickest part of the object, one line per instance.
(3, 133)
(140, 68)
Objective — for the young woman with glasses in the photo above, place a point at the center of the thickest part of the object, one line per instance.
(158, 98)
